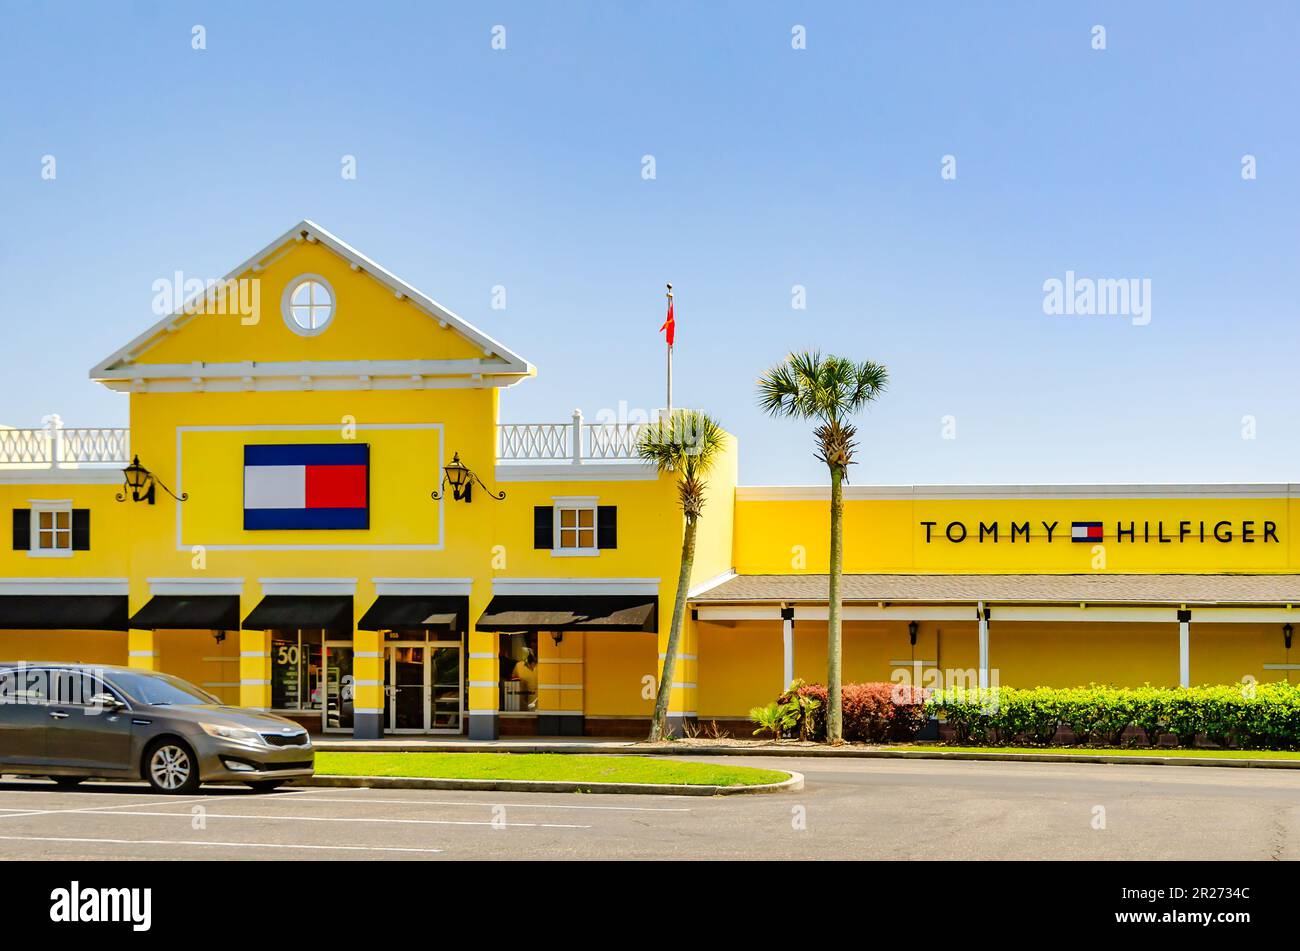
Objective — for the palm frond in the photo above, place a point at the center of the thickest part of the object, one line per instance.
(808, 385)
(779, 390)
(688, 442)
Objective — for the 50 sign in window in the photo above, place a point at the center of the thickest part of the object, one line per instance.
(297, 673)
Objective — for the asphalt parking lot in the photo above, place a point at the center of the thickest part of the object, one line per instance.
(870, 809)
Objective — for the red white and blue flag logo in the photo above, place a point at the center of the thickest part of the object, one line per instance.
(325, 486)
(1085, 532)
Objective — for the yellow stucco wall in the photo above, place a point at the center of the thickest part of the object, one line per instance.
(714, 545)
(193, 656)
(790, 536)
(67, 647)
(615, 666)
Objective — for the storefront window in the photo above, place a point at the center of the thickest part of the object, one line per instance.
(518, 655)
(339, 687)
(296, 670)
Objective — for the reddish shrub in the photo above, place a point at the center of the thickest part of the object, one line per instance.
(866, 712)
(872, 712)
(908, 712)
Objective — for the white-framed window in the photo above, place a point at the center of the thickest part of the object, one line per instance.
(575, 526)
(308, 304)
(51, 529)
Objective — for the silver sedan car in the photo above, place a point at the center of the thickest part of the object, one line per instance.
(73, 722)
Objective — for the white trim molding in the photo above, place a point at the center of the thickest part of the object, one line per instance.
(195, 586)
(306, 587)
(696, 590)
(112, 475)
(566, 472)
(575, 586)
(423, 586)
(1004, 614)
(64, 586)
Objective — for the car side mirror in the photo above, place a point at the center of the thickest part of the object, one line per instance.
(108, 701)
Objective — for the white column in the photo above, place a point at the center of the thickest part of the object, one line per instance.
(787, 646)
(983, 615)
(1184, 649)
(575, 449)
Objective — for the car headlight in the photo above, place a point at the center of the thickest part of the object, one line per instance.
(234, 734)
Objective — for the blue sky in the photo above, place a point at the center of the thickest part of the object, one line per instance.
(774, 167)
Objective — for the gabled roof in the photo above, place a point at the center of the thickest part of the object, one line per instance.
(498, 360)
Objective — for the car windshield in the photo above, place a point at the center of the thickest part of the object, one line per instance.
(161, 689)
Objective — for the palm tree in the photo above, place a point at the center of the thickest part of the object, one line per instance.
(687, 445)
(828, 389)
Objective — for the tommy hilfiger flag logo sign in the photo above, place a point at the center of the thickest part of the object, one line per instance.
(1085, 532)
(323, 486)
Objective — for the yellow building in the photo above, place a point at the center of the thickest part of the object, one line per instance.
(326, 519)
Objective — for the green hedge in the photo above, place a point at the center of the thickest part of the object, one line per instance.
(1247, 715)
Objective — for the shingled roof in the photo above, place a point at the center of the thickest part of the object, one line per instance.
(1023, 589)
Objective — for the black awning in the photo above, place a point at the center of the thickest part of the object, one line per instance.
(206, 612)
(393, 612)
(332, 612)
(560, 612)
(60, 612)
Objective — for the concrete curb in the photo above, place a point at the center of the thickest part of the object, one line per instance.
(848, 752)
(793, 784)
(1084, 758)
(972, 755)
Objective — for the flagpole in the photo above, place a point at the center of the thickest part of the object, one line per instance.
(670, 361)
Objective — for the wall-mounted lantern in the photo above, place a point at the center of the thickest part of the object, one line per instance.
(1286, 635)
(461, 479)
(140, 481)
(911, 631)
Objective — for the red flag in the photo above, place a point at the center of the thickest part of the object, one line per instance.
(670, 325)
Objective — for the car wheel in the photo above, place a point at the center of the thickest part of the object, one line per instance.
(69, 781)
(170, 767)
(266, 785)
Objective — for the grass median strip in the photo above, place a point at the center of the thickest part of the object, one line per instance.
(545, 767)
(1108, 751)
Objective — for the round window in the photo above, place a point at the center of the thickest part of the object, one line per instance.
(308, 305)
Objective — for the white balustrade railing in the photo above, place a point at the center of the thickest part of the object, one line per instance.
(53, 447)
(573, 443)
(534, 442)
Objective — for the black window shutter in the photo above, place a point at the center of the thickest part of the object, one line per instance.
(81, 529)
(543, 526)
(22, 529)
(606, 526)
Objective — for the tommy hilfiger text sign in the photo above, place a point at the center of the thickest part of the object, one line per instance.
(1247, 531)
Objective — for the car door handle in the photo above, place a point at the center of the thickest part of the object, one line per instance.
(58, 714)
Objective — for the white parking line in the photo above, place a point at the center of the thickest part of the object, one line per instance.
(487, 803)
(273, 818)
(123, 805)
(233, 845)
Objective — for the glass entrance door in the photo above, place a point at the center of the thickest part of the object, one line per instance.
(404, 689)
(423, 688)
